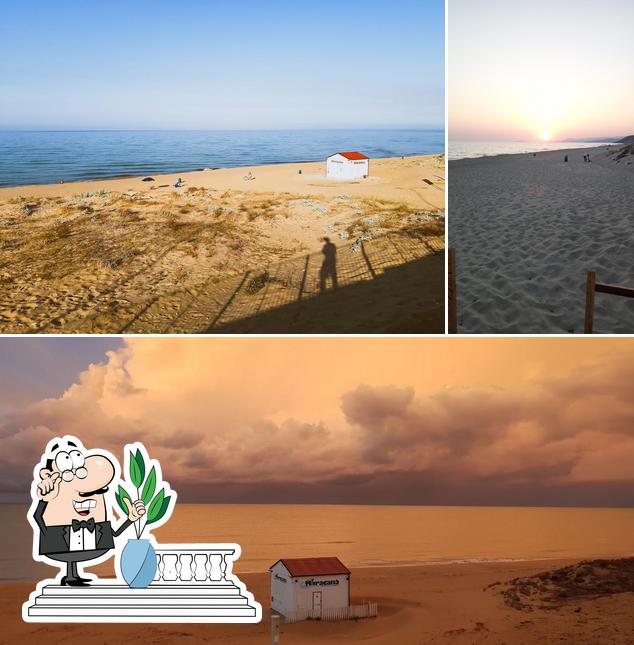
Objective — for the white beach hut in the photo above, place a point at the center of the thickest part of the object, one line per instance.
(305, 586)
(347, 165)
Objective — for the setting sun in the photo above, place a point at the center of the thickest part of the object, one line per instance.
(545, 136)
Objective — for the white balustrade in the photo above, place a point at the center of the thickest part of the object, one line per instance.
(193, 565)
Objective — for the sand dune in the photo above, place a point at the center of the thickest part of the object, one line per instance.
(121, 257)
(585, 580)
(457, 604)
(526, 229)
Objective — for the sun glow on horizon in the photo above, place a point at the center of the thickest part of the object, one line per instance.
(505, 84)
(539, 94)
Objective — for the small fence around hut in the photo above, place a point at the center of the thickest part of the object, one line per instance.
(366, 610)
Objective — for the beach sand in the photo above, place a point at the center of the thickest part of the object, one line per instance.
(452, 603)
(222, 254)
(526, 229)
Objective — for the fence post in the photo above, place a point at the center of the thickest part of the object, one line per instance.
(452, 313)
(591, 281)
(303, 282)
(275, 629)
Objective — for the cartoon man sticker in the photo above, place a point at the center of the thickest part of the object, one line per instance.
(70, 485)
(69, 516)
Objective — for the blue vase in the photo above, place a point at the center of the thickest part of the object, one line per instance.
(138, 563)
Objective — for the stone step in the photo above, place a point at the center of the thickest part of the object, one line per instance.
(155, 589)
(127, 600)
(165, 612)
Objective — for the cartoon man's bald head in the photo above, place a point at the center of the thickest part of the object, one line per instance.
(73, 483)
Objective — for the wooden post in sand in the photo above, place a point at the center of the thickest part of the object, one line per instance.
(275, 629)
(591, 282)
(452, 304)
(592, 287)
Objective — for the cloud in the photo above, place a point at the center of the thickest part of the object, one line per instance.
(580, 428)
(225, 420)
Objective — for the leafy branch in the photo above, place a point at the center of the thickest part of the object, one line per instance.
(156, 505)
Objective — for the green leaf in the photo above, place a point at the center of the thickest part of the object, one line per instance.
(135, 471)
(150, 487)
(155, 507)
(141, 462)
(161, 513)
(121, 494)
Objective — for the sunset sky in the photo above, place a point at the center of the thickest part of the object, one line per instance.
(540, 70)
(335, 420)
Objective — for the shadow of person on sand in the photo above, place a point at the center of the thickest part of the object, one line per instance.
(329, 265)
(406, 298)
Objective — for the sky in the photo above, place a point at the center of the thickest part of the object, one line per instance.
(470, 421)
(197, 64)
(34, 368)
(540, 70)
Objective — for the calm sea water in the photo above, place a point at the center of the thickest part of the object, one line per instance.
(366, 536)
(472, 149)
(48, 157)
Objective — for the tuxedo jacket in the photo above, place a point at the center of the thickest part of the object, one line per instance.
(56, 539)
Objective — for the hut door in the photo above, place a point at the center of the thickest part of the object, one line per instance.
(317, 602)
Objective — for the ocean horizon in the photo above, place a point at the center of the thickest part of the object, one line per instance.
(365, 536)
(50, 156)
(475, 149)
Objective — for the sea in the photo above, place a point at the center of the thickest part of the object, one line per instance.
(365, 536)
(474, 149)
(52, 156)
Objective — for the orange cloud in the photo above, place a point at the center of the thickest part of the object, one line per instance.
(240, 413)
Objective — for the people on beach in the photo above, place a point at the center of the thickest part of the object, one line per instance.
(249, 177)
(566, 158)
(179, 183)
(329, 265)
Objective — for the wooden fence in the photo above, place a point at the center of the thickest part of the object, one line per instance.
(592, 287)
(366, 610)
(452, 296)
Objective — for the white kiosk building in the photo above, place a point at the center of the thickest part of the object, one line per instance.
(305, 586)
(347, 165)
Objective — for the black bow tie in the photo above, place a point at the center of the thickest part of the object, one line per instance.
(84, 524)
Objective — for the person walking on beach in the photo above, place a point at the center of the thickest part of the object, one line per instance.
(329, 265)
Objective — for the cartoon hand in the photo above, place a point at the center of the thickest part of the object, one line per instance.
(136, 510)
(48, 488)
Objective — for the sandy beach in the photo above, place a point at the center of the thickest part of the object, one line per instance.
(527, 228)
(453, 603)
(227, 254)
